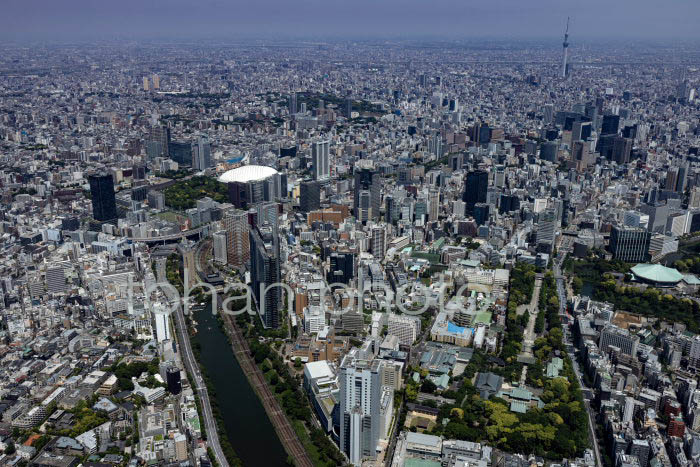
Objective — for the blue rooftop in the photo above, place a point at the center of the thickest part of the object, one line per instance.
(451, 327)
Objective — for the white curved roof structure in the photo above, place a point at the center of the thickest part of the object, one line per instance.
(247, 173)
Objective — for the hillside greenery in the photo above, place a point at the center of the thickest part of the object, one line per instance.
(185, 193)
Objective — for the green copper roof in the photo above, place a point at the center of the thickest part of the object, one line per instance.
(657, 273)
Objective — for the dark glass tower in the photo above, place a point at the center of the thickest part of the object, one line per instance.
(104, 205)
(342, 268)
(611, 124)
(265, 264)
(475, 188)
(368, 182)
(309, 196)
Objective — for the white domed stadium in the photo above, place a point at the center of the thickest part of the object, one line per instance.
(247, 173)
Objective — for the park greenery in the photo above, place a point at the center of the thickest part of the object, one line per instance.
(522, 286)
(174, 174)
(126, 371)
(185, 193)
(646, 301)
(559, 429)
(650, 302)
(174, 272)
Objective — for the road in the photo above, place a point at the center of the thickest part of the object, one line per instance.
(193, 369)
(561, 292)
(529, 335)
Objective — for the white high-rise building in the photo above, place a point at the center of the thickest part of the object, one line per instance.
(361, 407)
(220, 253)
(459, 208)
(628, 414)
(201, 153)
(405, 327)
(314, 319)
(433, 205)
(320, 160)
(540, 205)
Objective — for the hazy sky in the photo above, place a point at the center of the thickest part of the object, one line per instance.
(71, 19)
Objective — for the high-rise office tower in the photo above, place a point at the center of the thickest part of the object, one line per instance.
(235, 223)
(641, 449)
(580, 130)
(548, 151)
(392, 204)
(580, 154)
(475, 188)
(508, 203)
(481, 213)
(266, 213)
(219, 239)
(630, 244)
(435, 145)
(104, 204)
(174, 380)
(546, 231)
(156, 81)
(565, 61)
(483, 133)
(606, 146)
(146, 83)
(293, 103)
(611, 125)
(433, 205)
(378, 241)
(368, 190)
(499, 178)
(309, 195)
(360, 405)
(658, 216)
(612, 336)
(55, 280)
(181, 153)
(676, 178)
(320, 159)
(265, 271)
(201, 153)
(622, 149)
(348, 107)
(158, 143)
(342, 268)
(138, 172)
(671, 178)
(548, 114)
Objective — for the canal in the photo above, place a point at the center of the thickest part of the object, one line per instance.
(247, 427)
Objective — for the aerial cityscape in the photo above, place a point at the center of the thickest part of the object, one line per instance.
(314, 248)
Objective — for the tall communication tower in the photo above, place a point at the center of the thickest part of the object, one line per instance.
(564, 65)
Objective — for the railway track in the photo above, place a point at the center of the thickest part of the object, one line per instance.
(291, 442)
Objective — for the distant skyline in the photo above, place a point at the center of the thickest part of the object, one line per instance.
(406, 19)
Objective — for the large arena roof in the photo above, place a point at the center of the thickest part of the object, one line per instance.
(247, 173)
(657, 273)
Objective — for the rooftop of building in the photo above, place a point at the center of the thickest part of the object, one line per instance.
(247, 173)
(657, 273)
